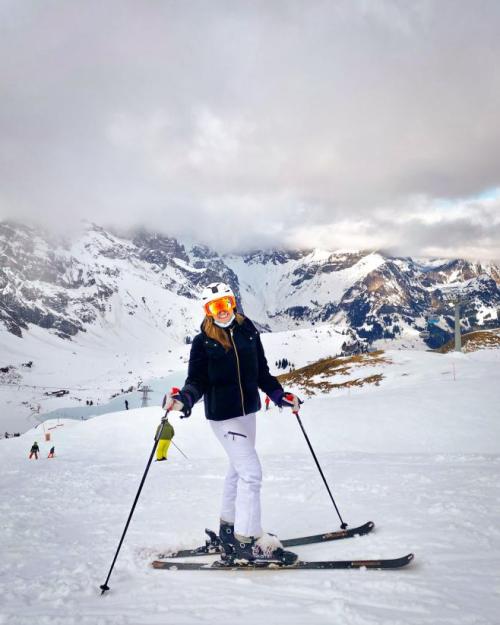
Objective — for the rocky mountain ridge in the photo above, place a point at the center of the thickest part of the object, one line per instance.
(69, 286)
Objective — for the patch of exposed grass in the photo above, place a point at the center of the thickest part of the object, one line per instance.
(320, 376)
(474, 341)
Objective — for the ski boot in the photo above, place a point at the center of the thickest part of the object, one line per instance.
(227, 539)
(263, 551)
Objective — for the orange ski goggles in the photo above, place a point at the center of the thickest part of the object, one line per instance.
(216, 306)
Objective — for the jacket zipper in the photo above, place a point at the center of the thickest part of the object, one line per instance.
(238, 368)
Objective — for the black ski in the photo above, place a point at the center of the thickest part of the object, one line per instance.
(212, 545)
(221, 565)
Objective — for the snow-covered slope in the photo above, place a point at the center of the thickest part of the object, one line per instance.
(419, 455)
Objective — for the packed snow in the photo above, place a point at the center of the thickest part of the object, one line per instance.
(418, 455)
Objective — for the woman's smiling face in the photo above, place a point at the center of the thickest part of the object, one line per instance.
(223, 316)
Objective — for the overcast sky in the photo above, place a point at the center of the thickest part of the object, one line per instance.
(340, 124)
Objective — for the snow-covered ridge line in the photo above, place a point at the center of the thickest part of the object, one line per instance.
(68, 287)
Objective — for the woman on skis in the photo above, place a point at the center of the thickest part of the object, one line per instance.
(227, 367)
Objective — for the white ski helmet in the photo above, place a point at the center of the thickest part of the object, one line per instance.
(216, 290)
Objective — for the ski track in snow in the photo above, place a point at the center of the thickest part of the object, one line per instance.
(435, 493)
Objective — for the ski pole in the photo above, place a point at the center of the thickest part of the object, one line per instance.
(342, 524)
(179, 449)
(105, 586)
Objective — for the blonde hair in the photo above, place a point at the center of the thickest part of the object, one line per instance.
(216, 333)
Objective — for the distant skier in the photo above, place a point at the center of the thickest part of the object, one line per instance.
(51, 452)
(166, 436)
(126, 404)
(227, 366)
(34, 451)
(267, 401)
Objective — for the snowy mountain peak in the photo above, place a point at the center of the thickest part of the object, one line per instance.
(72, 286)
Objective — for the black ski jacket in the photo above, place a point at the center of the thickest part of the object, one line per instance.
(229, 381)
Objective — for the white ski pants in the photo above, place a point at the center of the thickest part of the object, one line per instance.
(241, 494)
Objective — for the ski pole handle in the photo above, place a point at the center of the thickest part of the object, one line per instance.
(172, 395)
(175, 391)
(294, 402)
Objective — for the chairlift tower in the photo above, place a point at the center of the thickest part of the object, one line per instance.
(457, 298)
(145, 390)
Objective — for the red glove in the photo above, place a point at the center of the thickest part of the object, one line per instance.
(291, 400)
(175, 400)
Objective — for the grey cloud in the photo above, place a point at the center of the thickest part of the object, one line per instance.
(474, 234)
(243, 122)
